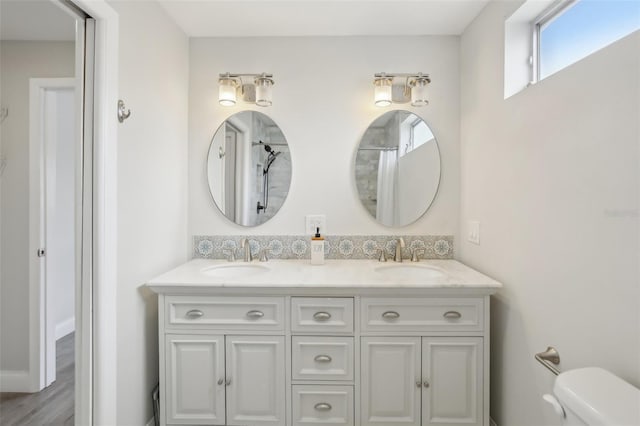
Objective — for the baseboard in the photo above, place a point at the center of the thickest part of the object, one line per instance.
(65, 327)
(15, 381)
(492, 422)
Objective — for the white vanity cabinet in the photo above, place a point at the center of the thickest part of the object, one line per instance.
(323, 354)
(210, 376)
(194, 380)
(425, 378)
(421, 381)
(215, 369)
(452, 381)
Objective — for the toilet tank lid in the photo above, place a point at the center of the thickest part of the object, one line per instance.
(598, 397)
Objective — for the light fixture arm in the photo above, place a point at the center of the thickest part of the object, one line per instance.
(410, 76)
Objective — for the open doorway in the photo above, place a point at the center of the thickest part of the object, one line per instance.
(42, 81)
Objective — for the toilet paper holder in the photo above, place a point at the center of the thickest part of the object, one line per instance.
(549, 358)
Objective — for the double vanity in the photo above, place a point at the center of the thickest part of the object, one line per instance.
(352, 342)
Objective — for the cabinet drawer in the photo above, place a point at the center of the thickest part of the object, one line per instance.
(229, 313)
(429, 314)
(322, 358)
(322, 405)
(319, 314)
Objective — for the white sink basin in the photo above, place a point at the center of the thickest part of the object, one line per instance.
(234, 270)
(410, 271)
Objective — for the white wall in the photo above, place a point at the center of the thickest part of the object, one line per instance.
(152, 187)
(420, 167)
(323, 102)
(19, 61)
(552, 174)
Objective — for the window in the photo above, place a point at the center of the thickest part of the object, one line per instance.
(415, 132)
(574, 29)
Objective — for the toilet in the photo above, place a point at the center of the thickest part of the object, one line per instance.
(595, 397)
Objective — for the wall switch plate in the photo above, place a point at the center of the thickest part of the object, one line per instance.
(313, 221)
(473, 232)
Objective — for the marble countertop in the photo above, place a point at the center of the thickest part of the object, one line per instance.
(334, 274)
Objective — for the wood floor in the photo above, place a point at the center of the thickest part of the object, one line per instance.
(53, 405)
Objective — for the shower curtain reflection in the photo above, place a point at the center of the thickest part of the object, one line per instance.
(387, 180)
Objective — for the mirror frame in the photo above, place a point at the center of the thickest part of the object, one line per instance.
(354, 176)
(210, 152)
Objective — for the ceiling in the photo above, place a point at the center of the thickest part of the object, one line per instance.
(43, 20)
(35, 20)
(251, 18)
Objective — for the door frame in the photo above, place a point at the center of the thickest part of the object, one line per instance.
(96, 351)
(96, 386)
(42, 365)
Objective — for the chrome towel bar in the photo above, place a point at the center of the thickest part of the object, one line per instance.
(549, 358)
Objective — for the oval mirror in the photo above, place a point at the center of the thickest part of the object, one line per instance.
(397, 168)
(249, 168)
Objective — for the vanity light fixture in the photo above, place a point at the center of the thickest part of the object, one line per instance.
(382, 93)
(258, 92)
(413, 89)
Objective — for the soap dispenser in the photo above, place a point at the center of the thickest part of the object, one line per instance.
(317, 249)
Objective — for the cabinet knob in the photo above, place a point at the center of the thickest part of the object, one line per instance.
(322, 316)
(426, 384)
(255, 314)
(322, 406)
(195, 313)
(390, 315)
(452, 315)
(322, 358)
(220, 382)
(418, 384)
(227, 382)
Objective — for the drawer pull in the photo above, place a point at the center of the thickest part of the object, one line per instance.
(322, 316)
(452, 315)
(322, 406)
(390, 315)
(322, 358)
(195, 313)
(255, 314)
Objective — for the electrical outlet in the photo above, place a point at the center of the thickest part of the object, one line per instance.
(314, 221)
(473, 232)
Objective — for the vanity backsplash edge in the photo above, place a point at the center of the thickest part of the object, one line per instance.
(336, 246)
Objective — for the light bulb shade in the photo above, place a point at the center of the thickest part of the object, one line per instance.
(264, 91)
(419, 92)
(382, 93)
(227, 91)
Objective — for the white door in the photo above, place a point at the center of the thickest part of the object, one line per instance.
(195, 379)
(255, 380)
(390, 372)
(53, 148)
(452, 373)
(59, 146)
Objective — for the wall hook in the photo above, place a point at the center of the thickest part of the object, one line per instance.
(122, 114)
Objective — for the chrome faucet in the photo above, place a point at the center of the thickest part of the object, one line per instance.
(399, 246)
(244, 244)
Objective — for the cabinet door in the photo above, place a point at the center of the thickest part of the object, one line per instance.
(390, 368)
(195, 379)
(452, 376)
(255, 380)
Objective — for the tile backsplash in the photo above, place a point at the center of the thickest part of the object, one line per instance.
(336, 246)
